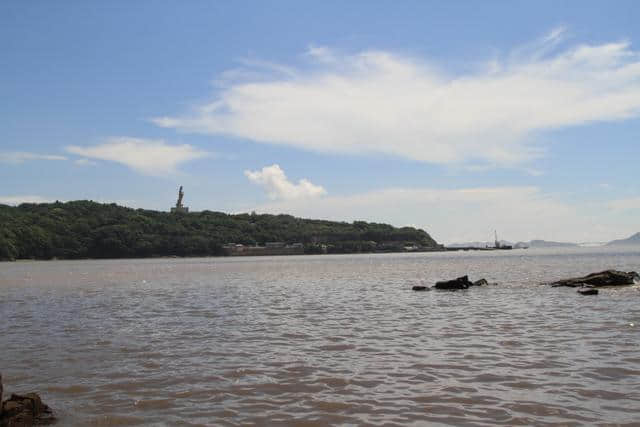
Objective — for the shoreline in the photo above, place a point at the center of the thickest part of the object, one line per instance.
(445, 250)
(25, 260)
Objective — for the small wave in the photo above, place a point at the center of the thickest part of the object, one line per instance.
(295, 335)
(333, 381)
(71, 389)
(153, 404)
(336, 347)
(329, 406)
(116, 420)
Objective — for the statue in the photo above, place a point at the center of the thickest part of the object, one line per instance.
(180, 208)
(180, 196)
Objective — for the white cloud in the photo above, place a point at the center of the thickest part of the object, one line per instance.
(147, 156)
(16, 200)
(275, 182)
(468, 214)
(17, 157)
(85, 162)
(381, 102)
(620, 205)
(322, 54)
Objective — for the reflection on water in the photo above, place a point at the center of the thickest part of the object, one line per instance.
(317, 340)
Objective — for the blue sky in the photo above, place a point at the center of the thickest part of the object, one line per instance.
(456, 117)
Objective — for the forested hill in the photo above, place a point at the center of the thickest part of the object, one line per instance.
(85, 229)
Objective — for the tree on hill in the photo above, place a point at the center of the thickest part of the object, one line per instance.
(85, 229)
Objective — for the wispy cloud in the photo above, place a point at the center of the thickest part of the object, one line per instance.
(278, 186)
(386, 103)
(16, 200)
(85, 162)
(150, 157)
(17, 157)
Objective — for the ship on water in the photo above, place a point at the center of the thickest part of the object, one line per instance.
(477, 246)
(498, 245)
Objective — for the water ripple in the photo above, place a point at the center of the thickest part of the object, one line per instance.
(323, 340)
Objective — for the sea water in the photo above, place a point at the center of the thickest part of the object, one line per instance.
(319, 340)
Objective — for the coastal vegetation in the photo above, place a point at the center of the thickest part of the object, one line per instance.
(86, 229)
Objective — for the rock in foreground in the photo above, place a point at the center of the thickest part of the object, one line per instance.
(459, 283)
(603, 278)
(24, 410)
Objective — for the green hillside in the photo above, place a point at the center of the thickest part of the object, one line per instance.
(85, 229)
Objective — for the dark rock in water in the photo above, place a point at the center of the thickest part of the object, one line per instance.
(603, 278)
(420, 288)
(459, 283)
(24, 411)
(588, 291)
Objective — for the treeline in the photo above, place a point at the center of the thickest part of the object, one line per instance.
(85, 229)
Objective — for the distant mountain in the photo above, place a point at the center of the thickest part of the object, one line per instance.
(633, 240)
(519, 245)
(548, 244)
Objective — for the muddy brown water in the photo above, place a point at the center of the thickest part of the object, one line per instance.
(324, 340)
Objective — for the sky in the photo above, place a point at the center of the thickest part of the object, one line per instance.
(458, 117)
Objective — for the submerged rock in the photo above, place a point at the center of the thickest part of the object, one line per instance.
(603, 278)
(420, 288)
(24, 410)
(588, 291)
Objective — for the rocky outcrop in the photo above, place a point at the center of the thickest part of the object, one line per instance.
(455, 284)
(603, 278)
(24, 410)
(481, 282)
(588, 291)
(420, 288)
(459, 283)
